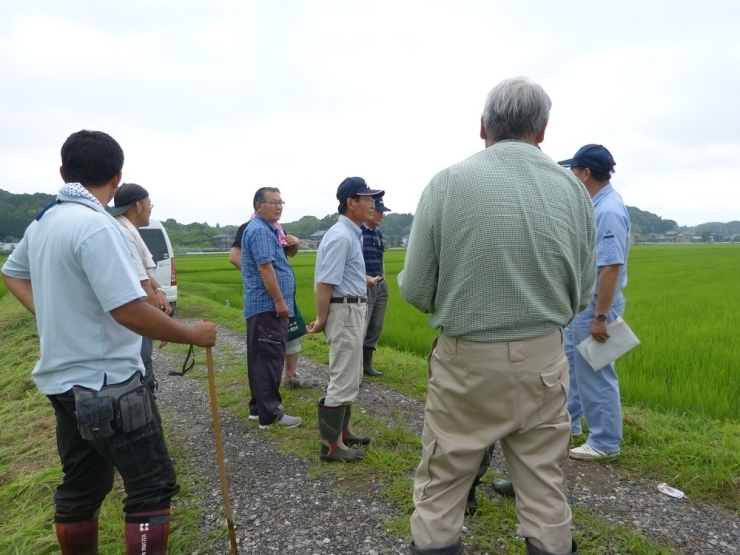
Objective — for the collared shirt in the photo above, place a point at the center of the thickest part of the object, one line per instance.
(139, 251)
(80, 268)
(612, 235)
(260, 245)
(339, 260)
(373, 248)
(502, 247)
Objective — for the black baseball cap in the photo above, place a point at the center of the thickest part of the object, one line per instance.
(126, 196)
(594, 157)
(353, 186)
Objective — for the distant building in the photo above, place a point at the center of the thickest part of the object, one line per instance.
(315, 238)
(222, 241)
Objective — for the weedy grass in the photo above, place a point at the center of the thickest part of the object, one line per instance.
(29, 464)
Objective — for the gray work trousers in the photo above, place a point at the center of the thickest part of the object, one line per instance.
(377, 301)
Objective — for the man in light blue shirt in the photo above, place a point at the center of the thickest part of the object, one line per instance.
(595, 394)
(341, 305)
(74, 271)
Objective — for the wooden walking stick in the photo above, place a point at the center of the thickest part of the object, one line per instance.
(220, 449)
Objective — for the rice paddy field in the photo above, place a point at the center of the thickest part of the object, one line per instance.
(682, 302)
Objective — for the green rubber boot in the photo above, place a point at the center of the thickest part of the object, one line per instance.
(332, 448)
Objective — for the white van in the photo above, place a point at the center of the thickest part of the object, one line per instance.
(156, 239)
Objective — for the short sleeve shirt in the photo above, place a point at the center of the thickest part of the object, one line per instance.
(239, 235)
(373, 247)
(612, 235)
(260, 245)
(80, 268)
(339, 261)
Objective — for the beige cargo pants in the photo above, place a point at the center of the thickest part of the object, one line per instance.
(480, 393)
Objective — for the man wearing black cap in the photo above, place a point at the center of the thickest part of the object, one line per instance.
(595, 395)
(341, 305)
(373, 248)
(132, 209)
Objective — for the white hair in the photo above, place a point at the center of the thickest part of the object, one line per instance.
(516, 108)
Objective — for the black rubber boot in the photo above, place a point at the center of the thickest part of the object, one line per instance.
(331, 420)
(471, 505)
(367, 363)
(350, 438)
(503, 487)
(532, 550)
(454, 549)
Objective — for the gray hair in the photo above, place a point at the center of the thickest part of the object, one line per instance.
(260, 195)
(516, 108)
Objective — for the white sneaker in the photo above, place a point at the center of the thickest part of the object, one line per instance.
(586, 452)
(285, 421)
(254, 416)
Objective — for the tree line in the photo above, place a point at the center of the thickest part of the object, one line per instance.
(17, 211)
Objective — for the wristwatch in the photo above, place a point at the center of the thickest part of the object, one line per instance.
(600, 317)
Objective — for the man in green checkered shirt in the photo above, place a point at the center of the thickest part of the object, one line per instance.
(502, 255)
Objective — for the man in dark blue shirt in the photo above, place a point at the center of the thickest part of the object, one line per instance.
(373, 248)
(269, 290)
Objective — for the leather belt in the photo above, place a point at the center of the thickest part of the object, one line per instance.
(349, 300)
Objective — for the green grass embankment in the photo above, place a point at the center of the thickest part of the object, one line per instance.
(29, 463)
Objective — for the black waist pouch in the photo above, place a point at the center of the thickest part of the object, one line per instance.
(123, 407)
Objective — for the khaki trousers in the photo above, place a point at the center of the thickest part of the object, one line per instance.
(480, 393)
(344, 331)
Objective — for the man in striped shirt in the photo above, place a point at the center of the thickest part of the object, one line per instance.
(373, 247)
(501, 254)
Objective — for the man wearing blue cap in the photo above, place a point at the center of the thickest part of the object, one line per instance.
(373, 247)
(341, 305)
(595, 394)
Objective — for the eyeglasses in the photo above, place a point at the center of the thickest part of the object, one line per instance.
(151, 204)
(369, 199)
(275, 203)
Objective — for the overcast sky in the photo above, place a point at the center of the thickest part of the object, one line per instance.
(211, 100)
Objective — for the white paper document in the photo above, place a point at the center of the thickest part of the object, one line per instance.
(621, 339)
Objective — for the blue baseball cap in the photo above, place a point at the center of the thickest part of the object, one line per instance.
(353, 186)
(594, 157)
(379, 206)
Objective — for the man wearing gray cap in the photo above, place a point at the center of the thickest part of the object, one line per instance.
(501, 254)
(132, 209)
(373, 248)
(341, 305)
(595, 395)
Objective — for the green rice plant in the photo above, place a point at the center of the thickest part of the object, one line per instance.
(680, 303)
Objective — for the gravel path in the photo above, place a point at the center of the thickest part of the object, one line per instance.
(279, 509)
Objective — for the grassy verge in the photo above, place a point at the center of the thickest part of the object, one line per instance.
(29, 464)
(666, 447)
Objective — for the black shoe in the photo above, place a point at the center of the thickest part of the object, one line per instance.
(532, 550)
(503, 487)
(471, 505)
